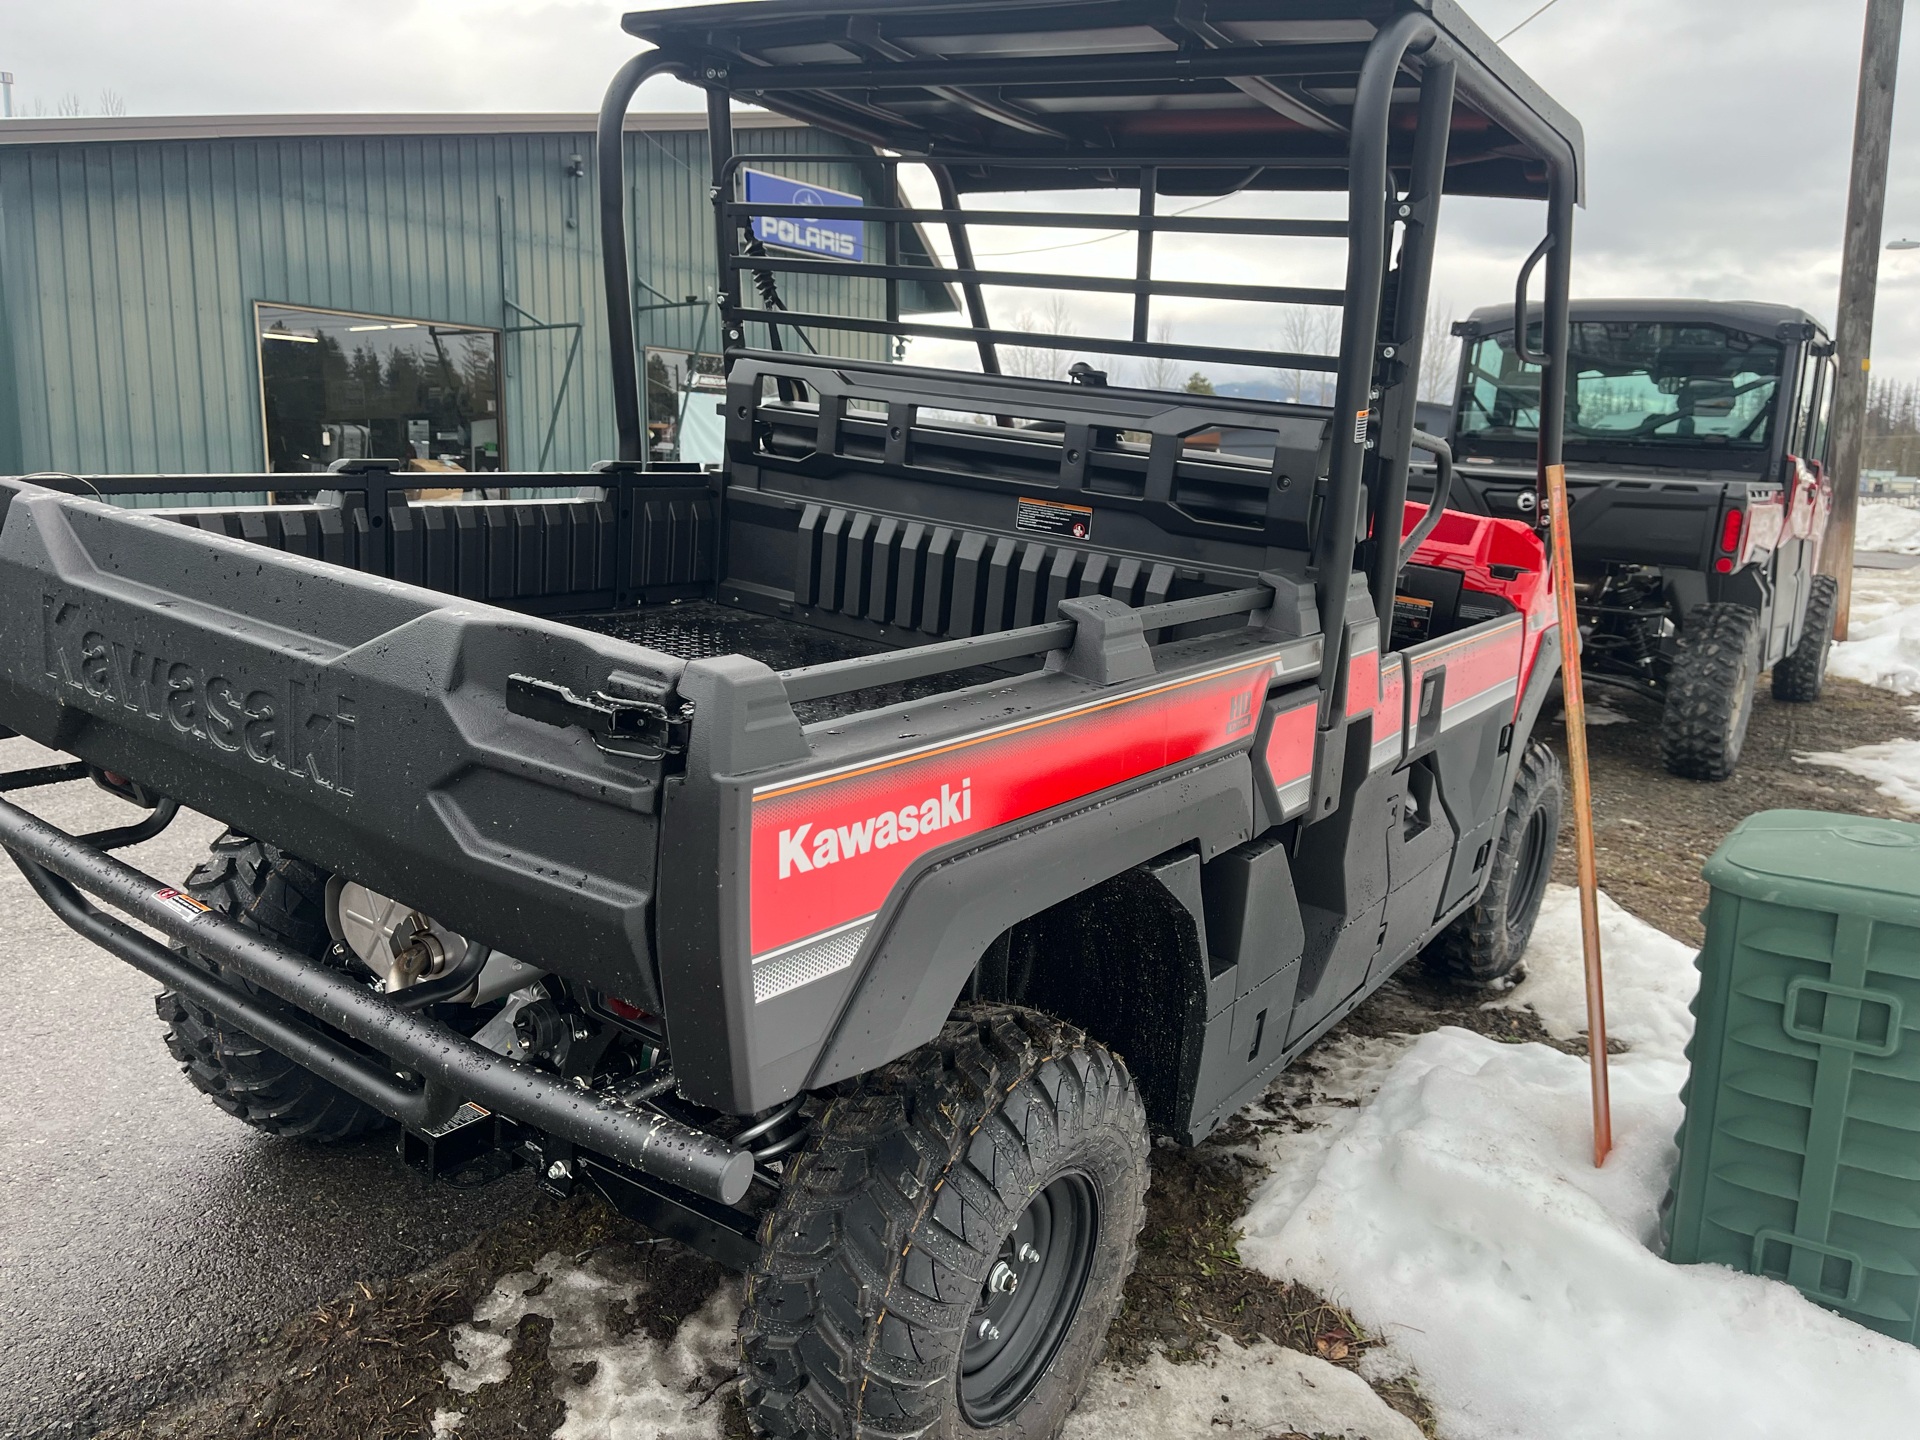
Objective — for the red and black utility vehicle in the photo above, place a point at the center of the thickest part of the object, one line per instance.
(1696, 441)
(793, 852)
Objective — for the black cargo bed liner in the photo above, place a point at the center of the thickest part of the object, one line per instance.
(701, 629)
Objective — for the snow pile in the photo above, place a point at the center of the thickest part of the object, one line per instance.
(1883, 644)
(1893, 766)
(1650, 977)
(638, 1389)
(1887, 529)
(1261, 1390)
(1459, 1215)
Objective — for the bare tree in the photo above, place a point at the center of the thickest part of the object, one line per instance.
(70, 105)
(1160, 372)
(112, 103)
(1439, 354)
(1310, 330)
(1040, 362)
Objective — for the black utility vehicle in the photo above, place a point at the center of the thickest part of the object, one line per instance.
(1696, 440)
(803, 876)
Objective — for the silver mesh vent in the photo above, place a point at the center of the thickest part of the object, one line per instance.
(790, 969)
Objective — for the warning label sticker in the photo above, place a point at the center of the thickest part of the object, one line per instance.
(1412, 619)
(1050, 517)
(1360, 418)
(182, 903)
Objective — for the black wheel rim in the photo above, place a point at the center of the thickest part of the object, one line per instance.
(1530, 871)
(1028, 1301)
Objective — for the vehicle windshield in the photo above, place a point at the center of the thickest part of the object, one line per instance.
(1638, 383)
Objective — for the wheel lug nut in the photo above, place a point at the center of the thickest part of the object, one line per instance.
(1002, 1280)
(1028, 1254)
(989, 1330)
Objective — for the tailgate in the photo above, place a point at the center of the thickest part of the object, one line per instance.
(356, 721)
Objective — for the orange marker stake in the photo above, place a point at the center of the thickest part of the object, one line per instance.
(1576, 708)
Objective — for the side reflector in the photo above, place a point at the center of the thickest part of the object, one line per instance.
(1723, 565)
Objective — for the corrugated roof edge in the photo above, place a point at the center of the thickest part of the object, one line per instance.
(94, 129)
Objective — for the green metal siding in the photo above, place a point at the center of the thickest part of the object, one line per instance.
(129, 270)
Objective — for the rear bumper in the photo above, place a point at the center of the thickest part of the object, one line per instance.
(429, 1069)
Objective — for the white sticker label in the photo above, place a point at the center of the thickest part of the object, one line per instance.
(1360, 418)
(182, 903)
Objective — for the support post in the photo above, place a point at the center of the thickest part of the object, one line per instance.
(1859, 280)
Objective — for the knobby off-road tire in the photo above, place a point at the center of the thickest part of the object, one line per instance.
(269, 891)
(1484, 946)
(1801, 677)
(1011, 1146)
(1710, 687)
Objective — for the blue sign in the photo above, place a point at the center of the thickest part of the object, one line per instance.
(837, 239)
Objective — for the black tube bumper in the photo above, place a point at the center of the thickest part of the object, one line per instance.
(449, 1067)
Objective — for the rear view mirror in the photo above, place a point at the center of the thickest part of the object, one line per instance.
(1710, 398)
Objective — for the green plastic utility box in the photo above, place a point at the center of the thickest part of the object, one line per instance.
(1800, 1152)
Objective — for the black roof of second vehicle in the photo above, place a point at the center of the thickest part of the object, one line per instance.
(1021, 80)
(1749, 317)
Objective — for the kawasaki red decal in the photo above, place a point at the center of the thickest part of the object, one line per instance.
(1363, 682)
(1288, 753)
(827, 849)
(1482, 670)
(1389, 714)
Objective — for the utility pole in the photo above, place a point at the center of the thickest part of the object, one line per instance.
(6, 94)
(1859, 279)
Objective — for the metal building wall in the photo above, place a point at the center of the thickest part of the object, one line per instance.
(129, 269)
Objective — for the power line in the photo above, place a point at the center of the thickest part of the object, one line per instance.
(1526, 22)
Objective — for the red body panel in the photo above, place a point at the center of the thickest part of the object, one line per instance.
(804, 881)
(1473, 545)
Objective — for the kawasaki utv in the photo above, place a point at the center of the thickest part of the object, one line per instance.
(847, 860)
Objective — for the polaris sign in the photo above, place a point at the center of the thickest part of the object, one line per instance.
(836, 239)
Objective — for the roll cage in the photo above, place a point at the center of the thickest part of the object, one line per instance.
(1393, 102)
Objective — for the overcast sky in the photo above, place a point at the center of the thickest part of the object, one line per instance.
(1717, 130)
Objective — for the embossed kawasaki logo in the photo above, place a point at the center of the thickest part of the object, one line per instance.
(288, 725)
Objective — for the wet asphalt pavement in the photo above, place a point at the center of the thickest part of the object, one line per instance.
(143, 1232)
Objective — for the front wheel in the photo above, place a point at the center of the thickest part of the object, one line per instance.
(1484, 946)
(952, 1243)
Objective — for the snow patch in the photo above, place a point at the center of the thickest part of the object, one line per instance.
(1887, 529)
(1459, 1215)
(1893, 766)
(1259, 1390)
(1883, 644)
(1649, 976)
(638, 1388)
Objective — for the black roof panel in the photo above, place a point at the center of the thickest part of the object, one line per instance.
(1749, 317)
(1204, 89)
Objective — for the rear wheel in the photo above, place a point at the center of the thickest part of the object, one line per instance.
(1485, 945)
(1801, 677)
(1710, 687)
(269, 891)
(952, 1243)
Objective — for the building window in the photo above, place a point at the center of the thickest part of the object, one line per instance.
(335, 386)
(684, 397)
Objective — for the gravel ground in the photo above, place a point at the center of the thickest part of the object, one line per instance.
(1652, 832)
